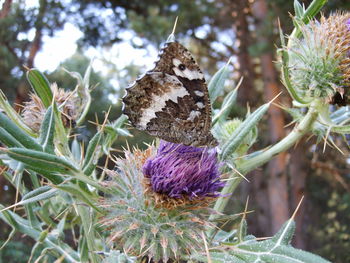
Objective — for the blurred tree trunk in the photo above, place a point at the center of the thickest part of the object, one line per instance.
(37, 41)
(277, 182)
(6, 7)
(299, 168)
(22, 90)
(257, 189)
(243, 39)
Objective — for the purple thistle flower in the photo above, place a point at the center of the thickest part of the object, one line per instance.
(178, 170)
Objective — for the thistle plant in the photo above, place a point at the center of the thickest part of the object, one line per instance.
(163, 204)
(158, 206)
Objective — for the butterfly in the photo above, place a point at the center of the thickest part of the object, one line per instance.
(171, 101)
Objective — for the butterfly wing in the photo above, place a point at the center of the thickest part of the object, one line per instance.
(171, 101)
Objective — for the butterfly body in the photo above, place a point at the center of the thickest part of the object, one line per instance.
(171, 101)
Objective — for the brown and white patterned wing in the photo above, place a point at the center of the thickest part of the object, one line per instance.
(176, 60)
(172, 102)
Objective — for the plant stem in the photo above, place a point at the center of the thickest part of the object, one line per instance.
(298, 132)
(248, 165)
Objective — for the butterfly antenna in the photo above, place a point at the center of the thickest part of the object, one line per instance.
(171, 37)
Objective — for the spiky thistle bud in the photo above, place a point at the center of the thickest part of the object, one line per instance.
(34, 110)
(159, 202)
(228, 128)
(320, 61)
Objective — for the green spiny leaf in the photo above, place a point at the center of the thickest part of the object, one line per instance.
(123, 132)
(51, 176)
(223, 236)
(61, 225)
(47, 131)
(41, 160)
(32, 218)
(119, 122)
(227, 104)
(285, 234)
(17, 133)
(298, 9)
(242, 230)
(340, 112)
(92, 149)
(83, 249)
(8, 139)
(35, 196)
(313, 9)
(86, 79)
(342, 129)
(218, 257)
(89, 233)
(276, 249)
(36, 192)
(79, 194)
(76, 150)
(341, 120)
(247, 125)
(112, 132)
(60, 132)
(41, 86)
(116, 256)
(216, 84)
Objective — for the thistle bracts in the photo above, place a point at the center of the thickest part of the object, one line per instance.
(319, 63)
(160, 217)
(34, 110)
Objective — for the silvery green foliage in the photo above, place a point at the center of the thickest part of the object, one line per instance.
(238, 247)
(115, 256)
(69, 200)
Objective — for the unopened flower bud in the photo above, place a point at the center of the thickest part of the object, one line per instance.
(34, 110)
(319, 63)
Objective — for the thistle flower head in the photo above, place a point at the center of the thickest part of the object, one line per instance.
(319, 62)
(34, 110)
(180, 171)
(166, 225)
